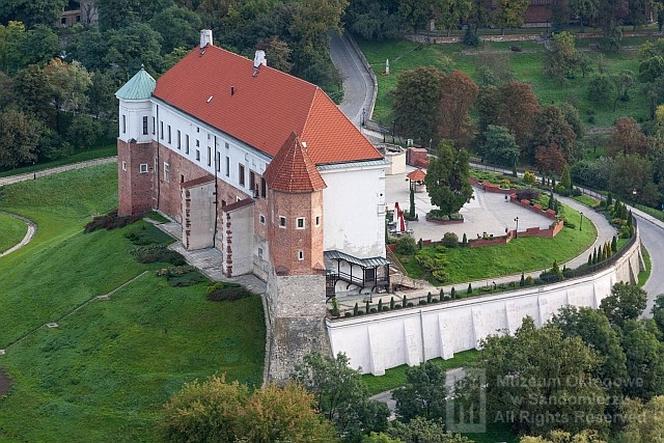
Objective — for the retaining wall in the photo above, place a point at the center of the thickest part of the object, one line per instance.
(378, 342)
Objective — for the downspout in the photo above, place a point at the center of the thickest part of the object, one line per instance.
(158, 159)
(216, 194)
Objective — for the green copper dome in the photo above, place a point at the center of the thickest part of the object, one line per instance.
(139, 87)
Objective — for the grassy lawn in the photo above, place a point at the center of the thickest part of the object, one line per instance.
(520, 255)
(105, 372)
(108, 150)
(396, 377)
(645, 274)
(12, 231)
(587, 200)
(527, 66)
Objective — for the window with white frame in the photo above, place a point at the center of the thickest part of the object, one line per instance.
(218, 161)
(186, 144)
(240, 170)
(209, 156)
(260, 252)
(124, 165)
(143, 168)
(124, 124)
(179, 139)
(300, 255)
(228, 166)
(300, 223)
(169, 134)
(261, 219)
(145, 125)
(161, 129)
(318, 220)
(167, 171)
(198, 155)
(282, 222)
(154, 124)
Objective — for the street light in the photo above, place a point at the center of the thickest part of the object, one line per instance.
(581, 224)
(516, 233)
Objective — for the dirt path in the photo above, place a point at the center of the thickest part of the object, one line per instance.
(4, 181)
(32, 228)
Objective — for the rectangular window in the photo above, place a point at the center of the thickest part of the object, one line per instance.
(263, 187)
(124, 166)
(261, 219)
(300, 223)
(161, 129)
(186, 144)
(124, 124)
(167, 171)
(198, 155)
(209, 157)
(145, 125)
(228, 166)
(218, 161)
(198, 143)
(282, 222)
(240, 171)
(143, 168)
(179, 140)
(318, 220)
(370, 274)
(300, 255)
(227, 145)
(154, 125)
(169, 134)
(252, 182)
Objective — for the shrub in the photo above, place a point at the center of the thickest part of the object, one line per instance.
(233, 291)
(422, 302)
(406, 245)
(527, 194)
(373, 310)
(434, 263)
(146, 235)
(529, 178)
(569, 224)
(470, 38)
(180, 276)
(110, 221)
(157, 253)
(450, 239)
(410, 305)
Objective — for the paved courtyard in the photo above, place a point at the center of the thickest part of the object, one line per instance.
(486, 212)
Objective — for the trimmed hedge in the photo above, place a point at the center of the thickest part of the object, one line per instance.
(110, 221)
(157, 253)
(227, 292)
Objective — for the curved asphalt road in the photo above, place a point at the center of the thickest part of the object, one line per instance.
(357, 81)
(359, 89)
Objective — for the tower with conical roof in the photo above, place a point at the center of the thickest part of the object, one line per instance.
(295, 199)
(136, 126)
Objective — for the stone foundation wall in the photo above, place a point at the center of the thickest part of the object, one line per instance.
(296, 322)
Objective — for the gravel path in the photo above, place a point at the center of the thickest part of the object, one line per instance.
(32, 228)
(11, 179)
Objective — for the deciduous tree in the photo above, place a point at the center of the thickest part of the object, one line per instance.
(447, 179)
(499, 146)
(19, 138)
(417, 101)
(626, 302)
(562, 57)
(457, 96)
(627, 138)
(423, 395)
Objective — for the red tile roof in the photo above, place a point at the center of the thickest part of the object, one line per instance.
(417, 175)
(292, 170)
(217, 87)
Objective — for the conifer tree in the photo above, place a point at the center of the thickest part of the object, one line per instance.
(470, 289)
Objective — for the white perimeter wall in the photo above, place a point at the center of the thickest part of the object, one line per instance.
(354, 209)
(409, 336)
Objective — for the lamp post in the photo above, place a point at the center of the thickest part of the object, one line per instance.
(516, 233)
(581, 224)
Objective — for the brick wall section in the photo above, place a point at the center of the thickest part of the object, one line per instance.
(285, 242)
(135, 190)
(417, 157)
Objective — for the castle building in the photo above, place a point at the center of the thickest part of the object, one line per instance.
(257, 163)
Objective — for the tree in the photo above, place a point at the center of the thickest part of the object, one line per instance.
(68, 84)
(645, 422)
(554, 130)
(420, 430)
(631, 177)
(550, 159)
(12, 37)
(450, 13)
(278, 53)
(511, 13)
(658, 312)
(499, 146)
(341, 395)
(373, 19)
(638, 11)
(415, 14)
(626, 302)
(528, 373)
(627, 138)
(447, 179)
(562, 57)
(178, 27)
(423, 395)
(116, 14)
(33, 12)
(214, 410)
(101, 99)
(84, 131)
(458, 93)
(585, 436)
(566, 179)
(586, 10)
(416, 102)
(131, 47)
(645, 359)
(19, 138)
(286, 413)
(573, 118)
(40, 45)
(602, 90)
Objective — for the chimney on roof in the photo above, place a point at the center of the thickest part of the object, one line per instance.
(259, 60)
(206, 38)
